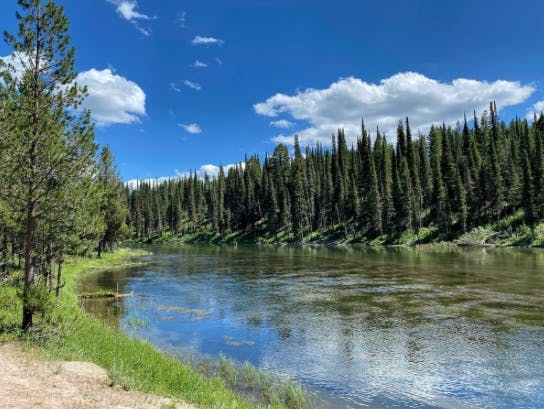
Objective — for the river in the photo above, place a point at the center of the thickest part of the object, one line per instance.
(360, 327)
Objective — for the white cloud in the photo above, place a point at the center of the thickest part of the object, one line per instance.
(424, 100)
(142, 30)
(127, 10)
(191, 128)
(218, 61)
(198, 40)
(538, 108)
(208, 169)
(174, 87)
(17, 65)
(199, 64)
(134, 183)
(282, 123)
(192, 85)
(112, 98)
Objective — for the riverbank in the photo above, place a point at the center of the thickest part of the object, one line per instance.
(29, 381)
(507, 232)
(67, 333)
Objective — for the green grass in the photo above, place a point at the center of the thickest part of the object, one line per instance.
(98, 294)
(67, 332)
(508, 231)
(260, 386)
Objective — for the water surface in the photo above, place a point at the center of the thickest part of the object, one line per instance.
(379, 328)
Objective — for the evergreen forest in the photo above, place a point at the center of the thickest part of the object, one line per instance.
(422, 188)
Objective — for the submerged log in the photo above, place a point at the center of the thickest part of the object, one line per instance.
(124, 295)
(105, 294)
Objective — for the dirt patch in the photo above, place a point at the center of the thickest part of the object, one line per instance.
(27, 381)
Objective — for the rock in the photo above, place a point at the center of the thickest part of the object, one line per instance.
(86, 371)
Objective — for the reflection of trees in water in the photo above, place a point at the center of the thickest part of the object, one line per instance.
(109, 310)
(291, 290)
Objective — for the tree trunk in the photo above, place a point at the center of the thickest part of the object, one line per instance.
(50, 267)
(29, 271)
(4, 258)
(59, 270)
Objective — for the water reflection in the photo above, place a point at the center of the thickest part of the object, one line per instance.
(367, 327)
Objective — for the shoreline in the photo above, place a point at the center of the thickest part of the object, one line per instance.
(131, 363)
(329, 244)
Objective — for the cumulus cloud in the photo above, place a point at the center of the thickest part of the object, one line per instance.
(193, 85)
(17, 65)
(538, 108)
(198, 40)
(423, 99)
(282, 123)
(112, 98)
(191, 128)
(199, 64)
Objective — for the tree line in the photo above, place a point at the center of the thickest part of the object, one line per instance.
(450, 180)
(58, 195)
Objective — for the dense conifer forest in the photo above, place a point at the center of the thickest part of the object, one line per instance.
(423, 188)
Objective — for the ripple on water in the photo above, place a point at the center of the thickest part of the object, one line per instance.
(379, 328)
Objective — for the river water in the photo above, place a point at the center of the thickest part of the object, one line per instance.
(360, 327)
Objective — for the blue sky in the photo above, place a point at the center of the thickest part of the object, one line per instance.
(187, 85)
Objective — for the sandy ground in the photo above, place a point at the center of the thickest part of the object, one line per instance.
(27, 381)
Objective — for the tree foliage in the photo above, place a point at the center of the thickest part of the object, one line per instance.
(453, 179)
(50, 197)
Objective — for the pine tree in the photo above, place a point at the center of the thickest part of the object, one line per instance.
(221, 201)
(494, 171)
(424, 172)
(416, 193)
(298, 198)
(438, 203)
(48, 146)
(538, 165)
(371, 214)
(385, 176)
(339, 171)
(280, 166)
(403, 191)
(113, 206)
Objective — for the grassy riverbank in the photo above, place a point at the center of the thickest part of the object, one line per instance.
(67, 332)
(507, 232)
